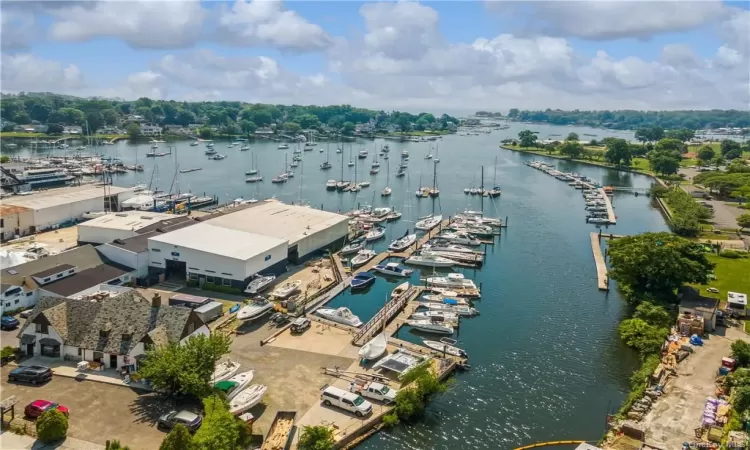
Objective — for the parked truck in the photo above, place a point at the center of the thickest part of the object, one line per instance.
(374, 391)
(209, 311)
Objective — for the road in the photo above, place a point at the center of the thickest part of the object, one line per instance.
(725, 214)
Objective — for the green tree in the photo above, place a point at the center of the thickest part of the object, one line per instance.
(705, 154)
(731, 148)
(205, 132)
(741, 352)
(220, 428)
(682, 134)
(248, 127)
(186, 368)
(316, 437)
(670, 145)
(22, 118)
(571, 148)
(179, 438)
(110, 117)
(307, 121)
(743, 221)
(527, 138)
(94, 120)
(421, 124)
(741, 398)
(666, 163)
(347, 128)
(292, 128)
(145, 112)
(572, 136)
(40, 110)
(656, 264)
(653, 314)
(51, 426)
(134, 130)
(640, 335)
(4, 159)
(618, 152)
(115, 445)
(262, 117)
(55, 128)
(184, 118)
(72, 116)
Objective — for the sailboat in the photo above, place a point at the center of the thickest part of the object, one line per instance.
(253, 170)
(351, 162)
(326, 164)
(434, 192)
(495, 191)
(387, 190)
(437, 153)
(378, 345)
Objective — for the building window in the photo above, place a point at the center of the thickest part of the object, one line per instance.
(210, 271)
(71, 271)
(155, 250)
(59, 275)
(126, 337)
(156, 263)
(2, 223)
(7, 305)
(103, 334)
(226, 282)
(210, 279)
(79, 351)
(29, 294)
(46, 279)
(16, 302)
(13, 291)
(41, 328)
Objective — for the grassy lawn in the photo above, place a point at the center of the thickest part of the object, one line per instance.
(16, 134)
(687, 162)
(731, 275)
(639, 165)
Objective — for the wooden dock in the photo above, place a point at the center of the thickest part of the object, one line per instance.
(386, 313)
(608, 203)
(601, 265)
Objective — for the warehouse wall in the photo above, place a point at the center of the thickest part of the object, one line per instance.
(88, 234)
(322, 238)
(49, 217)
(138, 261)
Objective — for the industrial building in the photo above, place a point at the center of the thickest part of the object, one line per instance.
(28, 214)
(124, 225)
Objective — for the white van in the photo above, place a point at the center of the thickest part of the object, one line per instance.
(346, 400)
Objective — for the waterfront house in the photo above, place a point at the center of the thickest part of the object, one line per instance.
(73, 129)
(263, 131)
(150, 130)
(173, 129)
(115, 331)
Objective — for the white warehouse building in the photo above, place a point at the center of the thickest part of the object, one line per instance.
(207, 253)
(124, 225)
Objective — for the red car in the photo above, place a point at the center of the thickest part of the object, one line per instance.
(36, 408)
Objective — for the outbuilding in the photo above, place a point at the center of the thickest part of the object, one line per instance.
(124, 225)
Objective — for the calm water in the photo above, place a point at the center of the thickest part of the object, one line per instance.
(546, 361)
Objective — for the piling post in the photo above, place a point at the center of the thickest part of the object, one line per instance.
(506, 221)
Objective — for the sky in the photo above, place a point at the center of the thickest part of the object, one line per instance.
(453, 56)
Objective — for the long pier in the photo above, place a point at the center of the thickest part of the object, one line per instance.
(601, 265)
(388, 312)
(608, 203)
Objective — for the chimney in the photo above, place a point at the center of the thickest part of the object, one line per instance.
(156, 301)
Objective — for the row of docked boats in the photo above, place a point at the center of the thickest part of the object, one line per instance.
(240, 394)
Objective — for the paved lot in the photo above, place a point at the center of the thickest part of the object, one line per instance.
(98, 411)
(725, 214)
(674, 417)
(10, 337)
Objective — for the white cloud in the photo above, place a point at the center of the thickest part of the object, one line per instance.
(401, 30)
(141, 24)
(26, 72)
(17, 28)
(681, 56)
(267, 22)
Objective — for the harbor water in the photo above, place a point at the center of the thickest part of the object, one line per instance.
(546, 362)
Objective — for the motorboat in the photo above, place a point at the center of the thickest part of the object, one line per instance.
(236, 384)
(282, 178)
(224, 370)
(452, 280)
(362, 280)
(253, 179)
(331, 185)
(439, 245)
(283, 147)
(374, 171)
(394, 269)
(354, 247)
(401, 244)
(244, 148)
(194, 144)
(428, 156)
(446, 297)
(340, 315)
(430, 326)
(260, 283)
(374, 348)
(286, 289)
(386, 192)
(459, 310)
(325, 165)
(469, 258)
(428, 223)
(255, 309)
(217, 157)
(364, 184)
(462, 238)
(247, 399)
(211, 151)
(404, 154)
(400, 289)
(362, 257)
(446, 346)
(597, 220)
(435, 315)
(362, 154)
(375, 234)
(393, 216)
(430, 261)
(467, 191)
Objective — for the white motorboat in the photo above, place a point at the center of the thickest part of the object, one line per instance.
(393, 216)
(400, 289)
(331, 185)
(428, 223)
(247, 399)
(253, 179)
(597, 220)
(375, 234)
(394, 269)
(224, 370)
(375, 347)
(430, 326)
(435, 315)
(459, 310)
(245, 148)
(259, 284)
(340, 315)
(452, 280)
(93, 214)
(399, 245)
(443, 346)
(255, 309)
(444, 298)
(235, 384)
(445, 246)
(362, 257)
(430, 261)
(283, 147)
(211, 151)
(462, 238)
(286, 289)
(354, 247)
(194, 143)
(386, 192)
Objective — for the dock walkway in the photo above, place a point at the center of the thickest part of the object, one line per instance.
(386, 313)
(608, 203)
(601, 265)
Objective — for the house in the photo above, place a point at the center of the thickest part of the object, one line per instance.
(64, 274)
(392, 128)
(73, 129)
(150, 130)
(174, 129)
(108, 130)
(115, 331)
(263, 131)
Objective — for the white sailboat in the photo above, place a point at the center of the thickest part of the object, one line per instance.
(387, 190)
(375, 347)
(447, 346)
(224, 370)
(247, 399)
(428, 223)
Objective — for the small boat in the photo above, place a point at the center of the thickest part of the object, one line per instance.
(260, 283)
(217, 157)
(362, 154)
(211, 151)
(194, 144)
(224, 370)
(354, 247)
(430, 261)
(244, 148)
(251, 172)
(439, 245)
(374, 171)
(459, 310)
(374, 348)
(597, 220)
(462, 238)
(283, 178)
(325, 165)
(375, 234)
(452, 280)
(428, 156)
(235, 384)
(340, 315)
(400, 289)
(364, 184)
(386, 192)
(435, 315)
(428, 223)
(286, 289)
(446, 297)
(154, 146)
(430, 326)
(331, 185)
(362, 257)
(393, 269)
(283, 146)
(247, 399)
(254, 179)
(399, 245)
(362, 280)
(393, 216)
(496, 191)
(350, 163)
(445, 346)
(404, 154)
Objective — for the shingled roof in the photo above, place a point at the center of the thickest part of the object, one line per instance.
(83, 258)
(80, 322)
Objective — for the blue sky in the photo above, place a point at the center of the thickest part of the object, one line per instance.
(407, 55)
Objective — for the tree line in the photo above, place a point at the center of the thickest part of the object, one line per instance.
(631, 120)
(234, 117)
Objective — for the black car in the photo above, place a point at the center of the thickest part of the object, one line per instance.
(9, 323)
(31, 374)
(191, 420)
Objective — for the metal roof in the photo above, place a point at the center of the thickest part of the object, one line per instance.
(62, 196)
(128, 220)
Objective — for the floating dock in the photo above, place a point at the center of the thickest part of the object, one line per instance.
(608, 203)
(601, 265)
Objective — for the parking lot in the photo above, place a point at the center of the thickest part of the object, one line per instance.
(98, 411)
